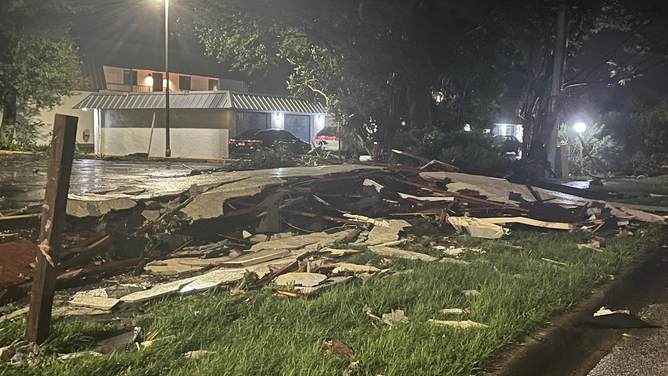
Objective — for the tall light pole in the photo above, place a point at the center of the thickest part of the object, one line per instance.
(168, 150)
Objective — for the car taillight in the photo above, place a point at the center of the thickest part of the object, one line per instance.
(233, 142)
(332, 138)
(254, 143)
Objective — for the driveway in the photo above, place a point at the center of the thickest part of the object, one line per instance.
(23, 178)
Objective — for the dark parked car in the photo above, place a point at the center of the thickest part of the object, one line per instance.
(255, 139)
(508, 144)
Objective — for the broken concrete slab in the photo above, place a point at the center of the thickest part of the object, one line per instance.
(157, 291)
(300, 279)
(79, 208)
(210, 204)
(466, 324)
(213, 279)
(106, 304)
(382, 234)
(395, 252)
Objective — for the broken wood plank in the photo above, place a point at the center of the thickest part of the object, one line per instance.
(333, 219)
(52, 226)
(529, 222)
(255, 258)
(87, 254)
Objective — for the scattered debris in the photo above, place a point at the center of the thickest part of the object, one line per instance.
(198, 354)
(106, 304)
(343, 267)
(301, 279)
(471, 292)
(477, 227)
(397, 316)
(620, 319)
(339, 348)
(458, 324)
(396, 252)
(456, 311)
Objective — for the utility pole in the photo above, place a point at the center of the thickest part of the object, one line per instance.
(557, 83)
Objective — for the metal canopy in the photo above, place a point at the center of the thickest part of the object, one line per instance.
(138, 101)
(198, 99)
(259, 102)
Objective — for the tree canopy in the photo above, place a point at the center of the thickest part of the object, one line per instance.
(39, 63)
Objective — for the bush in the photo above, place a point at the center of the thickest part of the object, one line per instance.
(471, 152)
(22, 137)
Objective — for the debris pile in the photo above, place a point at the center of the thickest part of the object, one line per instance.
(235, 230)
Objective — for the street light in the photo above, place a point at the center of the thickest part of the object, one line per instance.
(168, 150)
(580, 127)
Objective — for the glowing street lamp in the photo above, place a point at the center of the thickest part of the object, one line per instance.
(580, 127)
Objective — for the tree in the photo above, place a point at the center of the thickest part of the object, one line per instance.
(39, 63)
(532, 26)
(377, 65)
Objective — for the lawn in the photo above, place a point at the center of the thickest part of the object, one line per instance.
(638, 191)
(256, 333)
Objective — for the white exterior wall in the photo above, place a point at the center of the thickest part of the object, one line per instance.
(185, 142)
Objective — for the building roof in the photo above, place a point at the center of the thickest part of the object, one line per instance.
(199, 99)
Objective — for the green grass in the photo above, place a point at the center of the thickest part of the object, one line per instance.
(268, 335)
(637, 191)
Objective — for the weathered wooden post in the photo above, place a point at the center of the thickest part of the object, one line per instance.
(52, 226)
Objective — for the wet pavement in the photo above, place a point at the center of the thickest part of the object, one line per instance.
(643, 351)
(23, 178)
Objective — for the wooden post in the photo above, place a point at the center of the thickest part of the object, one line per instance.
(52, 226)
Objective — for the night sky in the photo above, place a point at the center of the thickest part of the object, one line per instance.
(116, 23)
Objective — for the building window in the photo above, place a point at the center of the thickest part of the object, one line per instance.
(157, 82)
(129, 77)
(213, 85)
(184, 82)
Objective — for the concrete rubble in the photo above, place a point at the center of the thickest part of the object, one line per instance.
(294, 227)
